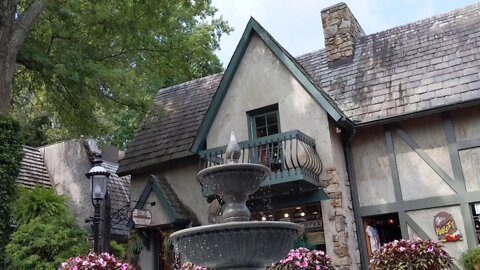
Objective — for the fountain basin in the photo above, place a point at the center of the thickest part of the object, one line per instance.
(237, 178)
(237, 245)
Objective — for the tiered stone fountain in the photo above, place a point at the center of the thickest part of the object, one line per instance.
(237, 243)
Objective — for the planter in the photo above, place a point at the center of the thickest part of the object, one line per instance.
(476, 267)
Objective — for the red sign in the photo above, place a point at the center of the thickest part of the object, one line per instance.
(446, 228)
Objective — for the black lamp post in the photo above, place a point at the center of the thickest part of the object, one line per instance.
(98, 176)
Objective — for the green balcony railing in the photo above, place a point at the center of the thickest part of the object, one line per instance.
(292, 157)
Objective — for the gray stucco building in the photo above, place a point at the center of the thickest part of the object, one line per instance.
(379, 130)
(63, 165)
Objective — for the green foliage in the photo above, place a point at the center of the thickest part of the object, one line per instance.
(38, 202)
(45, 243)
(10, 157)
(415, 254)
(471, 258)
(134, 248)
(118, 250)
(47, 233)
(92, 67)
(34, 131)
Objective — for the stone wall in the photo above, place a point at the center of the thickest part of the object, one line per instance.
(340, 213)
(341, 29)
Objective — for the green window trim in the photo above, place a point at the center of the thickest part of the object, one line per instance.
(258, 114)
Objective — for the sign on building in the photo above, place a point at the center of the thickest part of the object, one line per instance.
(446, 228)
(142, 217)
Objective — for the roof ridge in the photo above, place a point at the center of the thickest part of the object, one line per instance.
(425, 20)
(457, 10)
(186, 83)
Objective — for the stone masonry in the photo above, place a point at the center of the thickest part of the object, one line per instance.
(341, 214)
(341, 30)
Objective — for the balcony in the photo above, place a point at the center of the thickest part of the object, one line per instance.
(291, 156)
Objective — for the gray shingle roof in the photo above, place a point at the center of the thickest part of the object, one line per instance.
(33, 171)
(424, 65)
(418, 66)
(172, 135)
(180, 210)
(119, 192)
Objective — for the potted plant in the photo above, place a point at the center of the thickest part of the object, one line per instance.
(302, 258)
(471, 259)
(412, 255)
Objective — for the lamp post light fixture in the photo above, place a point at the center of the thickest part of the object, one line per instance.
(98, 177)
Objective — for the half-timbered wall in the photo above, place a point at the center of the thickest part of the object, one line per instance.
(417, 168)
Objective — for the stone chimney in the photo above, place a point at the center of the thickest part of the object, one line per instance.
(341, 30)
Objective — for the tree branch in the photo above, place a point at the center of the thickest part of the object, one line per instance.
(25, 24)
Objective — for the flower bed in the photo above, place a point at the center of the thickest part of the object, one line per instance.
(411, 254)
(303, 258)
(92, 261)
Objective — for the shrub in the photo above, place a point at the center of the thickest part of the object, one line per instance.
(92, 261)
(42, 244)
(47, 234)
(38, 202)
(411, 254)
(10, 157)
(471, 259)
(303, 258)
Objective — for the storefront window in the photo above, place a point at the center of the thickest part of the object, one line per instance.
(309, 216)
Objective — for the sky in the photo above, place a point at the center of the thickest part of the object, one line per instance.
(297, 25)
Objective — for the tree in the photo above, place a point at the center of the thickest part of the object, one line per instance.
(93, 67)
(47, 234)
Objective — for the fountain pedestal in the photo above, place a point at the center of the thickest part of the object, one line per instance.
(237, 243)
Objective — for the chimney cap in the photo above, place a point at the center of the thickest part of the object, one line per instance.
(337, 5)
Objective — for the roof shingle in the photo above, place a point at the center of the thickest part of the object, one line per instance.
(172, 135)
(33, 172)
(119, 193)
(420, 66)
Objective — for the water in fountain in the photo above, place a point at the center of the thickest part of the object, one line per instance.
(237, 243)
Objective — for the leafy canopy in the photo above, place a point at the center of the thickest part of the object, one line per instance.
(92, 67)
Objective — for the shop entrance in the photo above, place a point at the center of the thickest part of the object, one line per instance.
(381, 229)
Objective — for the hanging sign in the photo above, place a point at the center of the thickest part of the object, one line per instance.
(446, 228)
(142, 217)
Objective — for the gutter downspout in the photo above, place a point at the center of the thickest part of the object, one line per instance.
(364, 263)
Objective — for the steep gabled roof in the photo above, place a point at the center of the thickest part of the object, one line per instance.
(33, 171)
(425, 65)
(254, 28)
(119, 193)
(172, 135)
(429, 65)
(178, 214)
